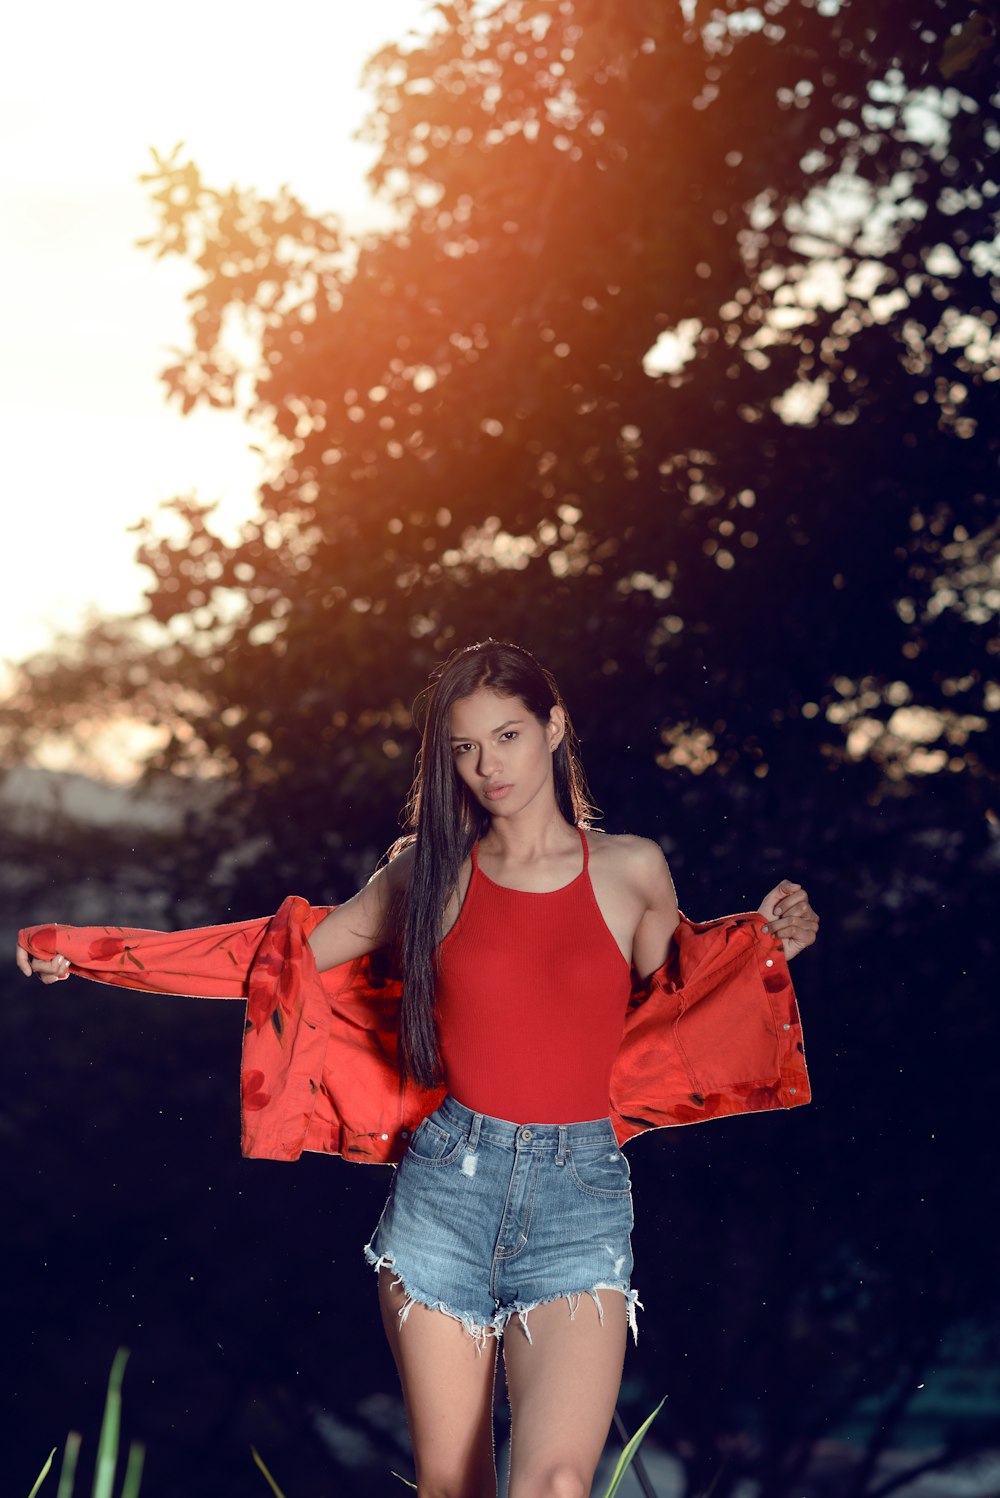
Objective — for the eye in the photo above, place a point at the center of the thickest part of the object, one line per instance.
(457, 749)
(510, 733)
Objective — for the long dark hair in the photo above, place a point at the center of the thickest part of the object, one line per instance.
(447, 820)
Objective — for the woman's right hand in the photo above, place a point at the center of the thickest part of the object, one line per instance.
(49, 969)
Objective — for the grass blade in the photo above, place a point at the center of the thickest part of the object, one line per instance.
(67, 1472)
(43, 1474)
(407, 1481)
(716, 1480)
(107, 1449)
(270, 1480)
(625, 1460)
(133, 1470)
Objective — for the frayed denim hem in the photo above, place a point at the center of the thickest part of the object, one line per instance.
(481, 1332)
(573, 1298)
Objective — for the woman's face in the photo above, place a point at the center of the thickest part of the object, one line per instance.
(502, 752)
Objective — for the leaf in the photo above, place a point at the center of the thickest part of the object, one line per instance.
(625, 1460)
(107, 1448)
(716, 1479)
(270, 1480)
(133, 1470)
(67, 1474)
(42, 1474)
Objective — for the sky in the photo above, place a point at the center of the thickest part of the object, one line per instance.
(88, 445)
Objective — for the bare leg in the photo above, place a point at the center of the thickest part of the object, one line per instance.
(448, 1392)
(563, 1387)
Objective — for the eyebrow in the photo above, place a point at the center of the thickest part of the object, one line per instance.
(458, 738)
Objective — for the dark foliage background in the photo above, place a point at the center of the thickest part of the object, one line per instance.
(773, 616)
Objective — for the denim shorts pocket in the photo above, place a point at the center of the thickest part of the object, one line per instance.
(600, 1170)
(432, 1145)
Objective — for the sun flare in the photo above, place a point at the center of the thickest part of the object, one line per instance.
(89, 445)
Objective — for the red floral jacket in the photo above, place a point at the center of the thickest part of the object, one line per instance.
(716, 1030)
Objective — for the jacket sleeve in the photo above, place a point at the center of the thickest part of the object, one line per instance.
(211, 962)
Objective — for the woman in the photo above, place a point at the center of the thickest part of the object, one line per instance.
(511, 1210)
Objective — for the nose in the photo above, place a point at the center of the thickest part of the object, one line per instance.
(489, 760)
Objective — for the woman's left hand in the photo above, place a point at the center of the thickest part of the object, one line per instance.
(790, 917)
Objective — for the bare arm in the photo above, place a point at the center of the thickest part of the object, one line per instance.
(790, 915)
(212, 961)
(363, 922)
(660, 917)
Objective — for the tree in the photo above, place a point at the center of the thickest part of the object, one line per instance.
(469, 442)
(764, 570)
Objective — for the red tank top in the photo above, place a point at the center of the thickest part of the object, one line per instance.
(532, 991)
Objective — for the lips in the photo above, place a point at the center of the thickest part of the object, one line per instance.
(496, 792)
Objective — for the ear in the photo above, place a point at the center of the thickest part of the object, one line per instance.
(555, 728)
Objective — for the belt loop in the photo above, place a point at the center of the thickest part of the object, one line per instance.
(473, 1139)
(563, 1148)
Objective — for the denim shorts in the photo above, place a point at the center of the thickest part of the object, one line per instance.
(487, 1219)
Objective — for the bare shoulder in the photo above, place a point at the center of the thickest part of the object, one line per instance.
(625, 849)
(638, 860)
